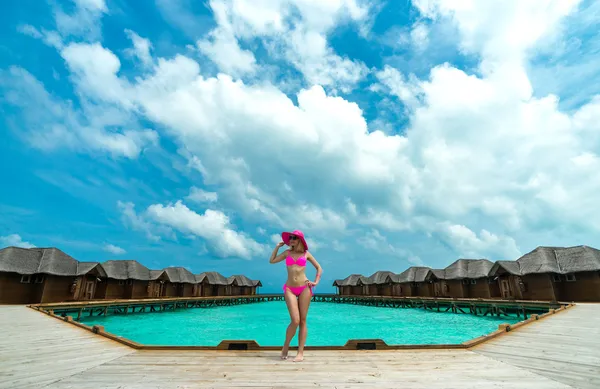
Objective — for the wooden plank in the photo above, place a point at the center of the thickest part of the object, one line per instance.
(564, 347)
(36, 350)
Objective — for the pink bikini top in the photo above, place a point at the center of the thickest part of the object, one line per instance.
(289, 261)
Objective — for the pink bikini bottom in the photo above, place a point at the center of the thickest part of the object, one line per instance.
(297, 290)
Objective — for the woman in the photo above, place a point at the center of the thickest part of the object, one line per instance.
(298, 288)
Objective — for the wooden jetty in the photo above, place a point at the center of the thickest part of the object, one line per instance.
(560, 351)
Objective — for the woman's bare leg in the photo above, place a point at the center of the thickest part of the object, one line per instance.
(303, 304)
(292, 304)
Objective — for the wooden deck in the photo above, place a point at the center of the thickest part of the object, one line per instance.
(565, 347)
(37, 351)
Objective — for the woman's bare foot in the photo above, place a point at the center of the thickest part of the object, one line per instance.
(284, 352)
(299, 357)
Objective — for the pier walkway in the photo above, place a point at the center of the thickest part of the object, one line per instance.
(562, 351)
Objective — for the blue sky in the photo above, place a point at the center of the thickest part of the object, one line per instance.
(188, 133)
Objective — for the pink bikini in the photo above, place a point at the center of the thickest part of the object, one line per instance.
(289, 261)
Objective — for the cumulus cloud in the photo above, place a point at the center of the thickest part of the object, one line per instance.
(15, 240)
(293, 29)
(111, 248)
(213, 226)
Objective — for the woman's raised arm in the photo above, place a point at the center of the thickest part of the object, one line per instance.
(278, 258)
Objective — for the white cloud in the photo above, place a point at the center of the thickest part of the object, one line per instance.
(213, 226)
(111, 248)
(137, 222)
(485, 244)
(501, 31)
(201, 196)
(407, 90)
(15, 240)
(49, 123)
(420, 36)
(223, 49)
(378, 244)
(141, 48)
(295, 30)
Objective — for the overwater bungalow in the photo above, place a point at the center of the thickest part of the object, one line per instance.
(379, 283)
(182, 282)
(240, 285)
(41, 275)
(126, 279)
(213, 284)
(550, 273)
(416, 281)
(464, 278)
(349, 285)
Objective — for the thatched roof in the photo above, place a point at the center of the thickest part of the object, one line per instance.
(44, 260)
(379, 278)
(126, 269)
(439, 274)
(212, 278)
(413, 274)
(256, 283)
(510, 267)
(351, 280)
(240, 280)
(179, 274)
(560, 260)
(468, 268)
(156, 274)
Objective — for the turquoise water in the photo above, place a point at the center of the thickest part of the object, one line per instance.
(329, 324)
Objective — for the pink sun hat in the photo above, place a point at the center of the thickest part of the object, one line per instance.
(286, 237)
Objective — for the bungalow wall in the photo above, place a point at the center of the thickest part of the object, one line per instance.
(383, 290)
(158, 289)
(247, 290)
(403, 290)
(197, 290)
(581, 286)
(170, 290)
(477, 288)
(209, 290)
(58, 288)
(186, 290)
(441, 289)
(453, 289)
(356, 290)
(112, 289)
(423, 289)
(507, 286)
(14, 291)
(538, 287)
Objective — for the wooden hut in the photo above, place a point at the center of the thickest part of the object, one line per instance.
(379, 283)
(550, 273)
(126, 279)
(182, 282)
(213, 284)
(468, 278)
(41, 275)
(240, 285)
(349, 286)
(416, 281)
